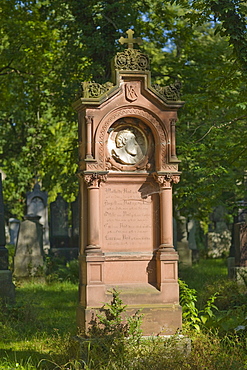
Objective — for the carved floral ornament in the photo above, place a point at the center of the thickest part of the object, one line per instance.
(94, 180)
(167, 180)
(131, 59)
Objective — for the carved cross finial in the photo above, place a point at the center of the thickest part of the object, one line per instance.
(130, 40)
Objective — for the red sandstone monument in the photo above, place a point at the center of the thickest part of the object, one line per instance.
(127, 168)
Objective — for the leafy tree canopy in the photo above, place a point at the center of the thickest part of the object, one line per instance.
(48, 47)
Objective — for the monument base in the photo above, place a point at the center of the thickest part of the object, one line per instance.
(160, 317)
(7, 288)
(157, 319)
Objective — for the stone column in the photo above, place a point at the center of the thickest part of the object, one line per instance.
(93, 181)
(173, 139)
(167, 257)
(165, 182)
(92, 288)
(89, 122)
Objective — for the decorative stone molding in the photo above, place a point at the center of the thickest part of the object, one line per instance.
(131, 92)
(173, 138)
(132, 60)
(166, 180)
(91, 89)
(94, 180)
(171, 92)
(89, 123)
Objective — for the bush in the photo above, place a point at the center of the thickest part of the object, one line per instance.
(58, 270)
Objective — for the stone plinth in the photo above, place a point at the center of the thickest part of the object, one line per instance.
(127, 168)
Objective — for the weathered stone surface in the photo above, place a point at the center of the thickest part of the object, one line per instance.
(29, 250)
(3, 251)
(219, 237)
(59, 226)
(75, 223)
(127, 168)
(14, 226)
(7, 288)
(37, 205)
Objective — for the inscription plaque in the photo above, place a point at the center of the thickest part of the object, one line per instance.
(128, 219)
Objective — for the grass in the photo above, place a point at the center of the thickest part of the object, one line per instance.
(38, 327)
(37, 332)
(203, 276)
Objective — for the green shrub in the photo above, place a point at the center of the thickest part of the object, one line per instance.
(192, 317)
(110, 335)
(58, 270)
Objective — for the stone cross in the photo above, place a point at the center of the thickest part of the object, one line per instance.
(130, 40)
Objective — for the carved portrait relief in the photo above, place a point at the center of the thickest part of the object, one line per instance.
(129, 143)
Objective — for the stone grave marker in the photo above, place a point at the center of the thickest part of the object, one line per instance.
(75, 223)
(185, 253)
(14, 226)
(127, 169)
(219, 237)
(59, 224)
(192, 227)
(37, 206)
(59, 230)
(237, 264)
(29, 254)
(7, 288)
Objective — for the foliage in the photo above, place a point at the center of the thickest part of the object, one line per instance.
(58, 270)
(191, 315)
(110, 334)
(39, 332)
(48, 48)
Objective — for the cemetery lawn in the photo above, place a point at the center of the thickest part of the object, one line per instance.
(38, 331)
(39, 325)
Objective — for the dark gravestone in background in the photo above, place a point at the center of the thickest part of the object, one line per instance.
(75, 223)
(14, 226)
(37, 206)
(59, 230)
(59, 226)
(7, 288)
(3, 249)
(29, 250)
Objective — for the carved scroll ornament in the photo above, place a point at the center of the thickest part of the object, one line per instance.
(167, 180)
(131, 59)
(92, 89)
(94, 180)
(171, 92)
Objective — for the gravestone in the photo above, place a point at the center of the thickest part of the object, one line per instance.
(240, 244)
(192, 228)
(59, 230)
(37, 206)
(75, 223)
(59, 225)
(14, 226)
(127, 168)
(219, 237)
(237, 262)
(29, 254)
(7, 288)
(184, 252)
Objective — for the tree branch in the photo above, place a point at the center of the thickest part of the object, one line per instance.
(220, 126)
